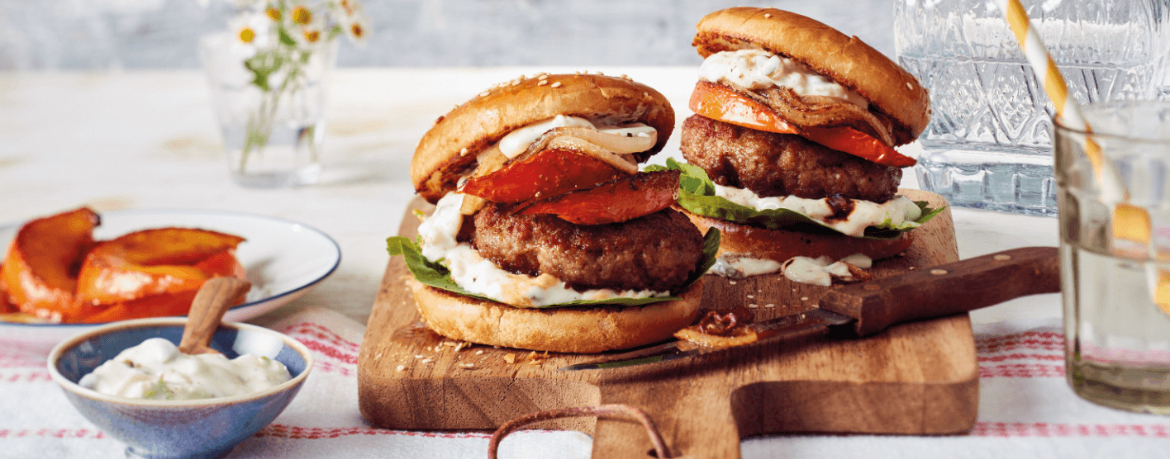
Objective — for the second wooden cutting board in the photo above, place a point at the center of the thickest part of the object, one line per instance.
(916, 378)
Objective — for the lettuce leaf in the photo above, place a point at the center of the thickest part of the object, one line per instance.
(434, 274)
(696, 194)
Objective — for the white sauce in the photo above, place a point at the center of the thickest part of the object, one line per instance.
(157, 370)
(478, 275)
(865, 213)
(757, 69)
(820, 271)
(518, 141)
(739, 266)
(798, 269)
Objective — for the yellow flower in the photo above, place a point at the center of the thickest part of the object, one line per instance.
(312, 35)
(251, 29)
(273, 13)
(356, 28)
(246, 34)
(301, 15)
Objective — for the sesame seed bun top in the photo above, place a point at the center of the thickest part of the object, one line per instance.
(847, 60)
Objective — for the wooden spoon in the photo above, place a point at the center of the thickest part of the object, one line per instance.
(211, 301)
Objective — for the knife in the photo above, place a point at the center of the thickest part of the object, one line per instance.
(870, 307)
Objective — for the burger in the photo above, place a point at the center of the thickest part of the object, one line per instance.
(545, 236)
(791, 147)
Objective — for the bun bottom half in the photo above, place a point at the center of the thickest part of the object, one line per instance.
(780, 245)
(581, 330)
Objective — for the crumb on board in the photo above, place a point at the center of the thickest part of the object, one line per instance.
(510, 357)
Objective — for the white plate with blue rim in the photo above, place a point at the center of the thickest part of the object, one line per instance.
(283, 259)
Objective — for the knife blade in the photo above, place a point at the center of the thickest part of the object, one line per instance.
(871, 307)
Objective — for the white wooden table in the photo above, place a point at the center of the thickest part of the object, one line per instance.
(142, 140)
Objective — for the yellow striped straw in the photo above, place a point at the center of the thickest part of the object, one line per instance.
(1130, 223)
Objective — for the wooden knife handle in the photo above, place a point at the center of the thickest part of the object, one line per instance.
(947, 289)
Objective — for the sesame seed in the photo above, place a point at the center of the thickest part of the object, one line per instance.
(770, 305)
(911, 268)
(418, 356)
(484, 93)
(556, 85)
(427, 360)
(938, 272)
(479, 352)
(1002, 257)
(909, 86)
(463, 152)
(767, 15)
(542, 83)
(731, 282)
(401, 367)
(804, 298)
(751, 296)
(753, 305)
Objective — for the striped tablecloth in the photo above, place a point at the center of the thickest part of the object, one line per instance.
(1026, 410)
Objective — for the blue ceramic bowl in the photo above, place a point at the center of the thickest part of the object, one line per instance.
(183, 428)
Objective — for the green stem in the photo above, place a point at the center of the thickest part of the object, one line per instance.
(259, 127)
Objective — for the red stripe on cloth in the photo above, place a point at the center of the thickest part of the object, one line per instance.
(330, 367)
(1025, 343)
(320, 332)
(318, 433)
(1021, 370)
(54, 433)
(1043, 429)
(1019, 356)
(33, 376)
(329, 350)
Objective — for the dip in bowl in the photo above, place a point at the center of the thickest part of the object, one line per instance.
(178, 428)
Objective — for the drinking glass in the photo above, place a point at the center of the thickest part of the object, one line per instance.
(273, 136)
(988, 144)
(1115, 272)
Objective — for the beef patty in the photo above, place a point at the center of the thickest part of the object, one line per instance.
(773, 164)
(656, 252)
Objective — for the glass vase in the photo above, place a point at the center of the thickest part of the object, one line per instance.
(273, 131)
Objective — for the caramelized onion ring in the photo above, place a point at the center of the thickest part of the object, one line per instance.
(821, 111)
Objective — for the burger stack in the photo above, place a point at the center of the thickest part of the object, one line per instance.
(546, 236)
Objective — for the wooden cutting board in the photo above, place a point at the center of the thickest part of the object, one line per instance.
(916, 378)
